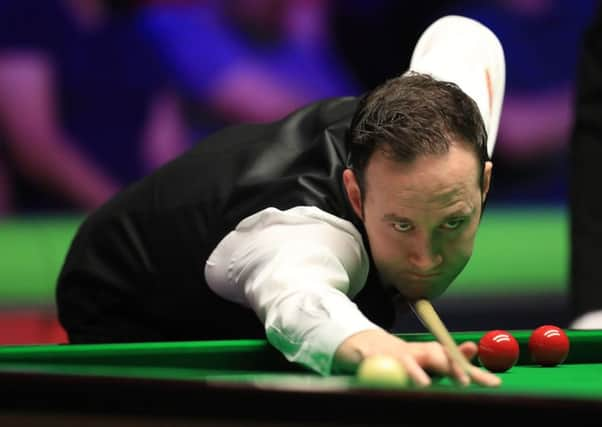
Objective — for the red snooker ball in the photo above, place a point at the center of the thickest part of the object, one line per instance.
(498, 350)
(549, 345)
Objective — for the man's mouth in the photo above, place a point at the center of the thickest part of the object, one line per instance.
(423, 275)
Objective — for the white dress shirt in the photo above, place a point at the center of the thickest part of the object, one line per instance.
(298, 270)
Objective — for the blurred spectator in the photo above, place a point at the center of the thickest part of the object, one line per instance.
(541, 40)
(85, 107)
(585, 290)
(249, 60)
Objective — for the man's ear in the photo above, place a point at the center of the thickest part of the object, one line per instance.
(487, 178)
(354, 194)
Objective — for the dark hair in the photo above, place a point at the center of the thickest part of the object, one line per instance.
(413, 115)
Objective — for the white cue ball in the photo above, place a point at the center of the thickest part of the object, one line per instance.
(381, 370)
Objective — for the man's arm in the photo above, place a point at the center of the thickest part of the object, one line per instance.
(36, 141)
(280, 263)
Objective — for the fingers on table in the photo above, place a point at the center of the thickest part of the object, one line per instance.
(480, 376)
(416, 372)
(467, 372)
(469, 349)
(485, 378)
(459, 374)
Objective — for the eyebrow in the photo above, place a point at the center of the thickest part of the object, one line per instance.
(393, 217)
(455, 214)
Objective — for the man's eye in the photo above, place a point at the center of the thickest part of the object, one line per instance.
(453, 224)
(402, 226)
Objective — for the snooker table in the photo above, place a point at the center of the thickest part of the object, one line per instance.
(247, 382)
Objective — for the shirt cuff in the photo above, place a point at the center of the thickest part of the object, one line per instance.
(328, 318)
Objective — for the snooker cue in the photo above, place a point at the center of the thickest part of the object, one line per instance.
(429, 317)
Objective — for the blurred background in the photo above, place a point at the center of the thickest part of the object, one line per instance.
(94, 94)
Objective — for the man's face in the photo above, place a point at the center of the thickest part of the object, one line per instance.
(421, 218)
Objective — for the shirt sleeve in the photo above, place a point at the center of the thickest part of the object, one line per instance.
(298, 270)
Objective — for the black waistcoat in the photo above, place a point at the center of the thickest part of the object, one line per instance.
(135, 269)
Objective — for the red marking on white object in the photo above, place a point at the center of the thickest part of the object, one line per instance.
(489, 88)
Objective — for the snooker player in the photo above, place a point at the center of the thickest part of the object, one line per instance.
(309, 230)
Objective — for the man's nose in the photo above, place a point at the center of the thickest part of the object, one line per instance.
(424, 255)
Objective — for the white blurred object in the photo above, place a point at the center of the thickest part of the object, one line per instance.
(590, 320)
(464, 51)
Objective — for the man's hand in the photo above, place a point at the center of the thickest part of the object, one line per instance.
(419, 358)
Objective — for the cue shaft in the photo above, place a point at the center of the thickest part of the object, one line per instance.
(429, 317)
